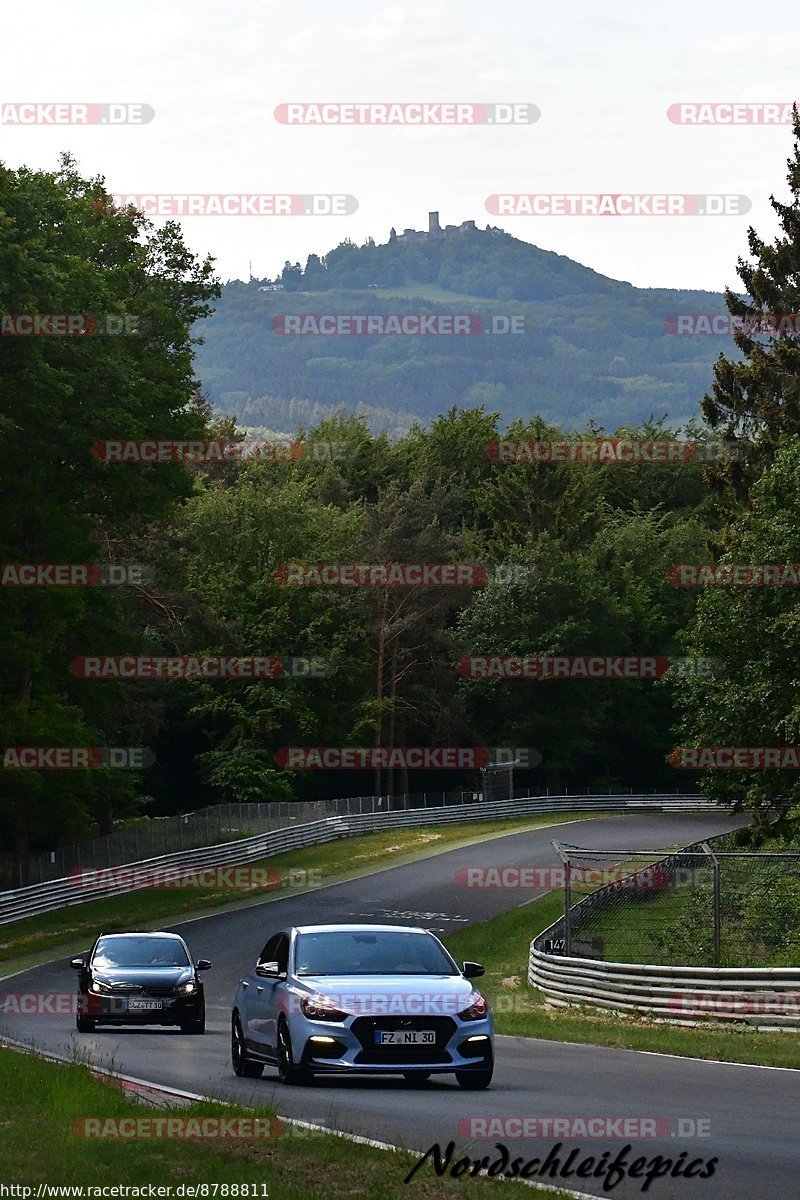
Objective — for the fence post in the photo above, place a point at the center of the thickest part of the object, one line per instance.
(567, 898)
(717, 904)
(717, 915)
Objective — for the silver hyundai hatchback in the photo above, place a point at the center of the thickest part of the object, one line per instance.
(361, 999)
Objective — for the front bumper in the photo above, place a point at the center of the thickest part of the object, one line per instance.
(351, 1046)
(116, 1010)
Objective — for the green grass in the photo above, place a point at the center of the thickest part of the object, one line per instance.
(38, 1145)
(503, 943)
(71, 930)
(630, 931)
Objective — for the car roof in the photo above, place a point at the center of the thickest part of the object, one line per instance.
(364, 927)
(143, 933)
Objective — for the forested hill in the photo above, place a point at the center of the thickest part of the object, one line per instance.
(593, 348)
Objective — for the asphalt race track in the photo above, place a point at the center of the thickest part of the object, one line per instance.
(753, 1111)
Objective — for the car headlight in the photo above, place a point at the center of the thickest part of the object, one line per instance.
(318, 1008)
(186, 989)
(97, 986)
(476, 1010)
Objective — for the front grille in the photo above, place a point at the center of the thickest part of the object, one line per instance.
(365, 1028)
(138, 989)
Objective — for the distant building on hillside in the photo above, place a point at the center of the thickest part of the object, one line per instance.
(273, 287)
(434, 230)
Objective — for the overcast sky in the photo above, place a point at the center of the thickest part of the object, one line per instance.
(602, 76)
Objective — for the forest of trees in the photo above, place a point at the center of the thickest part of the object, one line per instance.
(577, 556)
(593, 348)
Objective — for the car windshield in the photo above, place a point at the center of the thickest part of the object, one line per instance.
(352, 952)
(140, 952)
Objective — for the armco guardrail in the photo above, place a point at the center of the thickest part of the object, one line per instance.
(764, 997)
(60, 893)
(767, 997)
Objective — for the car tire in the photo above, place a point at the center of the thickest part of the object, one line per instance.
(85, 1024)
(416, 1076)
(475, 1080)
(288, 1073)
(243, 1064)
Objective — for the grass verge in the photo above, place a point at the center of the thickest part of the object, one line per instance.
(38, 1145)
(31, 941)
(502, 943)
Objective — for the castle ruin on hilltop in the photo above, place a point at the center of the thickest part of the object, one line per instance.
(434, 230)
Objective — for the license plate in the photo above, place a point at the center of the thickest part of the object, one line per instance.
(147, 1005)
(405, 1037)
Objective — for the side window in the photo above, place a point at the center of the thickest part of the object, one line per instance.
(270, 951)
(282, 952)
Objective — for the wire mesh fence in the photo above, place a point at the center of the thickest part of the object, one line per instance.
(707, 905)
(149, 837)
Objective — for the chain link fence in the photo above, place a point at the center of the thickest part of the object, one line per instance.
(149, 837)
(706, 905)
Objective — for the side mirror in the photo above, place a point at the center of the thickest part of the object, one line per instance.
(268, 970)
(472, 970)
(77, 964)
(203, 964)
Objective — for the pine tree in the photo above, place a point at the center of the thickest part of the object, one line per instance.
(758, 398)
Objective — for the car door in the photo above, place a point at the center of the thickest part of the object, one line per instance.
(261, 1023)
(272, 989)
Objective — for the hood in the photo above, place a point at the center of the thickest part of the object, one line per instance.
(143, 976)
(390, 995)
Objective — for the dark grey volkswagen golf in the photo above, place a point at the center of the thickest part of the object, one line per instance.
(140, 979)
